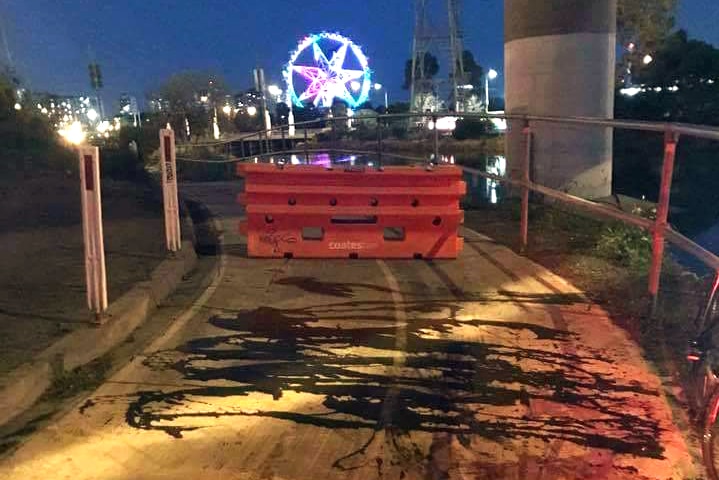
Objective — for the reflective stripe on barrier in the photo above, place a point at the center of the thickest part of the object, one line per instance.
(312, 212)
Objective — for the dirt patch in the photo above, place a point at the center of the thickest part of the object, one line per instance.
(42, 292)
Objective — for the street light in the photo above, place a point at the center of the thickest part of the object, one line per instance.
(252, 111)
(274, 90)
(227, 110)
(647, 59)
(73, 133)
(491, 75)
(379, 86)
(92, 114)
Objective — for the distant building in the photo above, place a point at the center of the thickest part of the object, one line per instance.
(158, 105)
(129, 109)
(251, 99)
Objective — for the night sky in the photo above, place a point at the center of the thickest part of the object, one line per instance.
(139, 43)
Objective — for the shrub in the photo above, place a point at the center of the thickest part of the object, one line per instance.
(472, 128)
(628, 246)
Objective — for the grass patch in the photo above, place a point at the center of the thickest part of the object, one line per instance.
(82, 379)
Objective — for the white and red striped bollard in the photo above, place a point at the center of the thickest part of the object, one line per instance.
(168, 162)
(95, 272)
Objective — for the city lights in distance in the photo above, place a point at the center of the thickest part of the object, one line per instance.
(104, 127)
(92, 115)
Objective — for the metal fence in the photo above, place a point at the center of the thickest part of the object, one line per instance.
(304, 141)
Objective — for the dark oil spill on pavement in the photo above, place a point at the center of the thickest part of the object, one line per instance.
(271, 351)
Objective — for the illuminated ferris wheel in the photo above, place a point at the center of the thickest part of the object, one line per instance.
(325, 67)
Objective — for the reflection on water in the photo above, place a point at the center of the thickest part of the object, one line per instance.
(480, 191)
(330, 159)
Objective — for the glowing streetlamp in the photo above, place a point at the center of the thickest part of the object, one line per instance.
(227, 110)
(379, 86)
(647, 59)
(491, 75)
(73, 133)
(251, 111)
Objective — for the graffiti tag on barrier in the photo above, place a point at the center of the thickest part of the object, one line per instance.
(274, 238)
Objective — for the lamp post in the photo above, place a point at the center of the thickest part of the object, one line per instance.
(379, 86)
(491, 75)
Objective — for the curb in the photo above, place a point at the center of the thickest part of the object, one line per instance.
(23, 386)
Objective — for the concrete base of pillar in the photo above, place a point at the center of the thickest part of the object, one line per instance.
(568, 75)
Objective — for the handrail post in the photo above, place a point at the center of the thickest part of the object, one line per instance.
(259, 143)
(282, 133)
(379, 142)
(524, 218)
(671, 139)
(307, 153)
(436, 139)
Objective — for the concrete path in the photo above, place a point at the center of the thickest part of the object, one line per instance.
(487, 367)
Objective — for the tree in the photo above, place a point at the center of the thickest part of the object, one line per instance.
(644, 23)
(7, 96)
(473, 71)
(282, 113)
(194, 96)
(681, 84)
(431, 68)
(683, 62)
(399, 107)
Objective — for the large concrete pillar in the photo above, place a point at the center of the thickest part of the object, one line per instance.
(560, 61)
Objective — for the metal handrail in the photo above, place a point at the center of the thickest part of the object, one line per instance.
(693, 130)
(659, 229)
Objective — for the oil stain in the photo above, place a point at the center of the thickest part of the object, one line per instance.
(271, 351)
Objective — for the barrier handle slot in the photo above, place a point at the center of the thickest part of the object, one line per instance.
(354, 220)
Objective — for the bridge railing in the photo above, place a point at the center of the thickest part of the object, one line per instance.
(279, 141)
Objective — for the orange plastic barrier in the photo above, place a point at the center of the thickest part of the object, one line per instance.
(312, 212)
